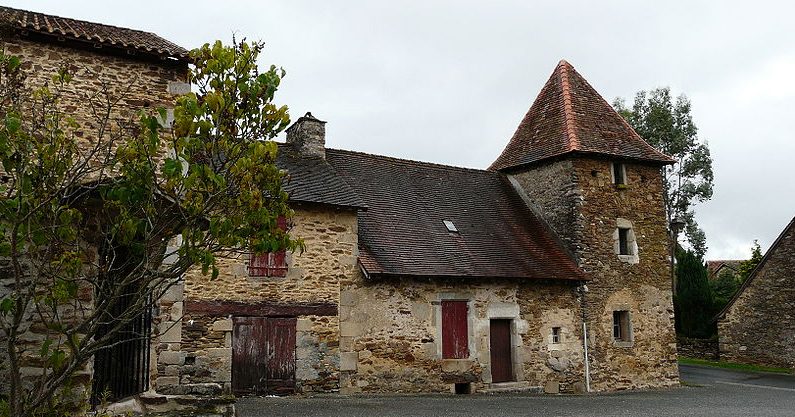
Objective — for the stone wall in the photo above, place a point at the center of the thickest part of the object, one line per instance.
(759, 327)
(581, 190)
(391, 334)
(130, 83)
(194, 350)
(697, 348)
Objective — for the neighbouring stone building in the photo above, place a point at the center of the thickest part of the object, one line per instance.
(718, 267)
(546, 271)
(758, 324)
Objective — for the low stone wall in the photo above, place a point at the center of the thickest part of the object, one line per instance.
(697, 348)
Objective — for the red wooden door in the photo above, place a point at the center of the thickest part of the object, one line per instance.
(501, 362)
(263, 355)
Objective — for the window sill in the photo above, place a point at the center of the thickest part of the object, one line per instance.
(623, 343)
(630, 259)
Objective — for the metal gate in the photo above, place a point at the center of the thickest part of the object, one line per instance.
(122, 368)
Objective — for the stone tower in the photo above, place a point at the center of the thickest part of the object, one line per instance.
(600, 187)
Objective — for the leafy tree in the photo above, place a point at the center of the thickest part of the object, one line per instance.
(748, 266)
(83, 227)
(723, 287)
(693, 301)
(668, 125)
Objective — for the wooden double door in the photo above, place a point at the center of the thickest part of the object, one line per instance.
(263, 355)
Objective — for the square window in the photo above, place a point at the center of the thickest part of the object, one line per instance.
(621, 328)
(556, 335)
(455, 330)
(623, 241)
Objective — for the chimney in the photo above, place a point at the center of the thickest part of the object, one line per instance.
(308, 136)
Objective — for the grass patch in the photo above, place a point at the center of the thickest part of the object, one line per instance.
(731, 365)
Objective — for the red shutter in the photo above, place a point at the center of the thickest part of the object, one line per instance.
(258, 265)
(278, 267)
(455, 331)
(270, 264)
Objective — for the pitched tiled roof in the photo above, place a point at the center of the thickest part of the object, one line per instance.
(570, 116)
(313, 180)
(93, 33)
(714, 265)
(403, 231)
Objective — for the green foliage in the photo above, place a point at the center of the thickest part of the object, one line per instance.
(723, 288)
(748, 266)
(667, 125)
(693, 301)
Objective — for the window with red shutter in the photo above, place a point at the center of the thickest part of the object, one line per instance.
(455, 330)
(269, 264)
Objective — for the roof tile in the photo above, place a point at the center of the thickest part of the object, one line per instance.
(80, 30)
(570, 116)
(403, 232)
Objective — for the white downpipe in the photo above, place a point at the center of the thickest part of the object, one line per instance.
(587, 364)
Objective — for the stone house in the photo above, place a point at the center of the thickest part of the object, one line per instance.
(421, 277)
(758, 324)
(546, 271)
(138, 69)
(723, 266)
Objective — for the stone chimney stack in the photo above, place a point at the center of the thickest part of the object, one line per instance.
(308, 136)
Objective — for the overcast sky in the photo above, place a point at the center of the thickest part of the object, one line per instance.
(449, 81)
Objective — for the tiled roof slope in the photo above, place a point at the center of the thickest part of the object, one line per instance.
(402, 232)
(570, 116)
(714, 265)
(313, 180)
(92, 33)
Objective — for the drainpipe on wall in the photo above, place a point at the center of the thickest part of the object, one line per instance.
(581, 290)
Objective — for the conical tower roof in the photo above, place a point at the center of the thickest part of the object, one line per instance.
(569, 116)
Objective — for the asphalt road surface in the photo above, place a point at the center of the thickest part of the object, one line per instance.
(708, 392)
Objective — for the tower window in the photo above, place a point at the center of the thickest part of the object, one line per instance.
(623, 241)
(556, 335)
(621, 328)
(619, 177)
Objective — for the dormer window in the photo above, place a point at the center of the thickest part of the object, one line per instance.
(619, 174)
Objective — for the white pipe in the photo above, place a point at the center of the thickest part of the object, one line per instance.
(587, 365)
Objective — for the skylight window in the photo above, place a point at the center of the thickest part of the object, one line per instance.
(450, 226)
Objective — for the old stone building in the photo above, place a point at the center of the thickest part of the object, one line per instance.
(429, 278)
(547, 271)
(758, 324)
(718, 267)
(131, 68)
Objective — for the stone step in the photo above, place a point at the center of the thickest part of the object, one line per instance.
(518, 386)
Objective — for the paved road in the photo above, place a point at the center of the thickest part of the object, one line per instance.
(710, 393)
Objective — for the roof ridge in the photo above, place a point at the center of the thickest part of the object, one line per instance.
(86, 30)
(48, 15)
(412, 161)
(568, 112)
